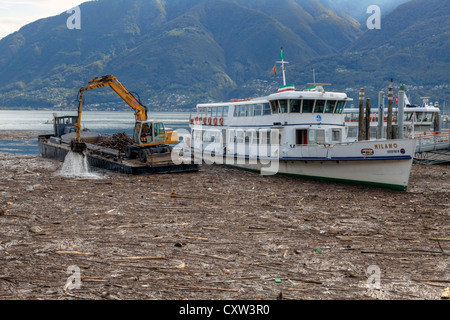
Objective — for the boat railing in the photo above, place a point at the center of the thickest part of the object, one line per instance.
(431, 141)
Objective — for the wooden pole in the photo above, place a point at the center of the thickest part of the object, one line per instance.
(400, 112)
(380, 127)
(368, 111)
(389, 116)
(361, 127)
(437, 119)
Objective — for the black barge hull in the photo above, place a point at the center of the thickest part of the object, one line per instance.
(58, 151)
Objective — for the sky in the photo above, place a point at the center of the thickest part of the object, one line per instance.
(14, 14)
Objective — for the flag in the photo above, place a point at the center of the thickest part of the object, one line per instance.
(274, 69)
(282, 55)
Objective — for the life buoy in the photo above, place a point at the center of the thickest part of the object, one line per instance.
(209, 121)
(192, 121)
(196, 120)
(204, 120)
(215, 121)
(221, 121)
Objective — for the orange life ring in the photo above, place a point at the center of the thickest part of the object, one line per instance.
(209, 121)
(221, 121)
(215, 121)
(192, 121)
(204, 120)
(196, 120)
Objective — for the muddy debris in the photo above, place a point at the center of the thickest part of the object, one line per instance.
(220, 233)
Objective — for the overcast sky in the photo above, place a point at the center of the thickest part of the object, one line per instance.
(14, 14)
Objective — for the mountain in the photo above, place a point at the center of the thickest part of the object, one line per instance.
(176, 53)
(412, 47)
(172, 51)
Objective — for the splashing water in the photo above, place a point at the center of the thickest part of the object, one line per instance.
(76, 166)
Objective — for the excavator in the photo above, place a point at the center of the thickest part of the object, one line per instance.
(150, 137)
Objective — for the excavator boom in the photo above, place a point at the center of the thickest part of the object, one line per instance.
(148, 134)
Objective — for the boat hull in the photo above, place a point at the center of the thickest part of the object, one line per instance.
(384, 163)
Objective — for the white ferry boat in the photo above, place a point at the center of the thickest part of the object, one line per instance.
(299, 133)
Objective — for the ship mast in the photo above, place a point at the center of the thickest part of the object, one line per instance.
(282, 62)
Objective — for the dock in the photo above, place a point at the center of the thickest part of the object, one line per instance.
(433, 148)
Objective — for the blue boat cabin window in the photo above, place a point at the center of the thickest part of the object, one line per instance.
(283, 105)
(258, 109)
(274, 106)
(329, 106)
(308, 106)
(250, 110)
(225, 111)
(295, 105)
(339, 107)
(266, 109)
(320, 105)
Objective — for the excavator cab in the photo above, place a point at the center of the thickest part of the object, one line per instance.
(147, 133)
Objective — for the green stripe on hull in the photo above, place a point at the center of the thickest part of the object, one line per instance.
(346, 181)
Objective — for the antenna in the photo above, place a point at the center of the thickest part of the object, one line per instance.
(282, 62)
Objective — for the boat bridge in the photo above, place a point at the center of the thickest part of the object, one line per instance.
(433, 148)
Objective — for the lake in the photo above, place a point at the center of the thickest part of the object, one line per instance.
(105, 123)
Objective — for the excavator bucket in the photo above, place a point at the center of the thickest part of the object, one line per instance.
(77, 146)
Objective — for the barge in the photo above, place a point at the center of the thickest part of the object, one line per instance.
(57, 146)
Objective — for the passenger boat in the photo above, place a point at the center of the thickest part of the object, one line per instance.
(299, 133)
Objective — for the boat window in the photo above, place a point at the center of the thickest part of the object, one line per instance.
(320, 136)
(308, 106)
(266, 109)
(240, 136)
(419, 116)
(274, 106)
(339, 107)
(258, 109)
(236, 111)
(329, 106)
(250, 110)
(407, 116)
(255, 137)
(264, 136)
(283, 105)
(225, 111)
(295, 105)
(428, 116)
(320, 105)
(336, 134)
(352, 132)
(242, 111)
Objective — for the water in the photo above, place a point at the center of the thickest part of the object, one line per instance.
(105, 123)
(76, 166)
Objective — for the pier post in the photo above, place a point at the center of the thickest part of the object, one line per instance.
(368, 111)
(389, 116)
(437, 119)
(380, 127)
(400, 112)
(361, 128)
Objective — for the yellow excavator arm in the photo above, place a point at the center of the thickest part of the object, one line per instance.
(111, 81)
